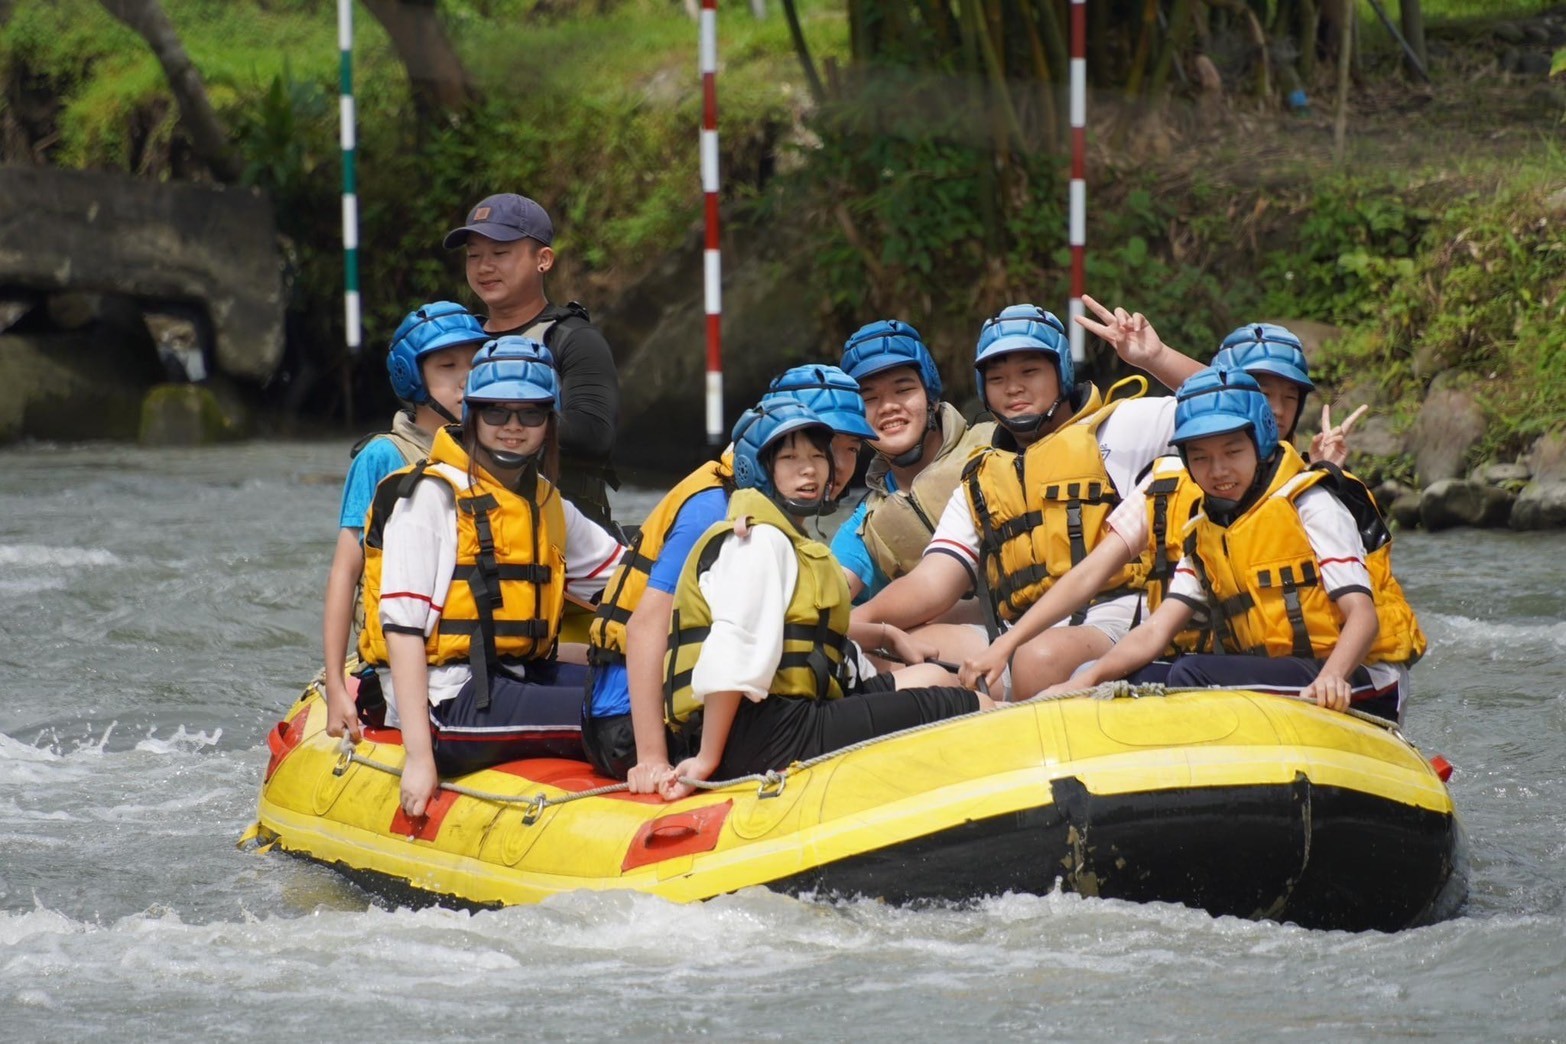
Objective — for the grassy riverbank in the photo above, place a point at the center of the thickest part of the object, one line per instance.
(1436, 245)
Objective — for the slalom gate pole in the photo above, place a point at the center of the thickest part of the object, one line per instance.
(346, 137)
(1077, 219)
(712, 260)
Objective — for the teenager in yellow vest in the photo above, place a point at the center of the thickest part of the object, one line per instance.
(1149, 522)
(469, 558)
(1035, 502)
(761, 671)
(1276, 561)
(623, 726)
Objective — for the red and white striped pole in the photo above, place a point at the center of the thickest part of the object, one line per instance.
(1077, 220)
(712, 261)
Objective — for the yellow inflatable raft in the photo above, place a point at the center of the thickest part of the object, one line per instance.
(1236, 802)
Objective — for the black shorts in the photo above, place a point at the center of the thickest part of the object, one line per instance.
(611, 745)
(536, 716)
(781, 730)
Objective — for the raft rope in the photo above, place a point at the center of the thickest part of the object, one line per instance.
(771, 783)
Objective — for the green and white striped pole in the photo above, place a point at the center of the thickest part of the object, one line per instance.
(351, 312)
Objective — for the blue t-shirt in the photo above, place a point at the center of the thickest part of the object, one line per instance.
(848, 547)
(611, 686)
(379, 458)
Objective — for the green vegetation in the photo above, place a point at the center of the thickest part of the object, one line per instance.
(1437, 247)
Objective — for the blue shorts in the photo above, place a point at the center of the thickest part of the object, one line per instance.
(536, 716)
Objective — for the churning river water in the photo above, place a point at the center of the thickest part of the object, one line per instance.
(159, 610)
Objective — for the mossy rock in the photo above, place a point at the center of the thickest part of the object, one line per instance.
(190, 415)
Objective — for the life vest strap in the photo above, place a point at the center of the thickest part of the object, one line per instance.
(1022, 525)
(532, 574)
(1074, 531)
(533, 628)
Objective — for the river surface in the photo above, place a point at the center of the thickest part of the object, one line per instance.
(161, 611)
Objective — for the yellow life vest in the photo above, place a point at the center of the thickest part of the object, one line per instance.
(1041, 511)
(606, 634)
(899, 523)
(815, 624)
(1173, 499)
(508, 586)
(1265, 580)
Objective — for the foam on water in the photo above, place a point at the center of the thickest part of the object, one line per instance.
(132, 745)
(39, 556)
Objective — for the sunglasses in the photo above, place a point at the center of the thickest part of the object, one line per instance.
(527, 416)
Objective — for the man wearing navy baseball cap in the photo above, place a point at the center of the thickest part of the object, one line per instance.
(508, 241)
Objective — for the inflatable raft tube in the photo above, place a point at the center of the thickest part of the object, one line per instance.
(1235, 802)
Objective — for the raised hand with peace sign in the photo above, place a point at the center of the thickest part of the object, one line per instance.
(1331, 444)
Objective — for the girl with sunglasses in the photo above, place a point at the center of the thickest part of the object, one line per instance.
(469, 559)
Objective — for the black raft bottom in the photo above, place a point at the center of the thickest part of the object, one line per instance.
(1321, 857)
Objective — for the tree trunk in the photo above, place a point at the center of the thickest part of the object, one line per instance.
(436, 76)
(807, 65)
(1345, 61)
(1412, 15)
(207, 134)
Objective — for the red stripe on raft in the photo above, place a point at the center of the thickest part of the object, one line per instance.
(1342, 561)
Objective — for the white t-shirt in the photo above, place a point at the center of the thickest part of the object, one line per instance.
(748, 588)
(1132, 438)
(420, 553)
(1335, 540)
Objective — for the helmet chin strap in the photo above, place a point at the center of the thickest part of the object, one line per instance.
(443, 411)
(913, 456)
(511, 461)
(1029, 423)
(1224, 511)
(817, 507)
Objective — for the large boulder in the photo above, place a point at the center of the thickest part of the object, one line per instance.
(769, 324)
(1546, 458)
(1541, 505)
(191, 415)
(67, 386)
(1449, 426)
(83, 233)
(1458, 502)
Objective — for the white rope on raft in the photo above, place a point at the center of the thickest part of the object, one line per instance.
(771, 783)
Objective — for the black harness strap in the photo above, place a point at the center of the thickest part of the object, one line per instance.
(989, 550)
(1291, 604)
(1074, 531)
(484, 581)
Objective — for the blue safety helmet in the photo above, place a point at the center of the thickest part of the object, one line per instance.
(887, 344)
(439, 324)
(512, 369)
(827, 392)
(762, 426)
(1266, 348)
(1216, 402)
(1024, 328)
